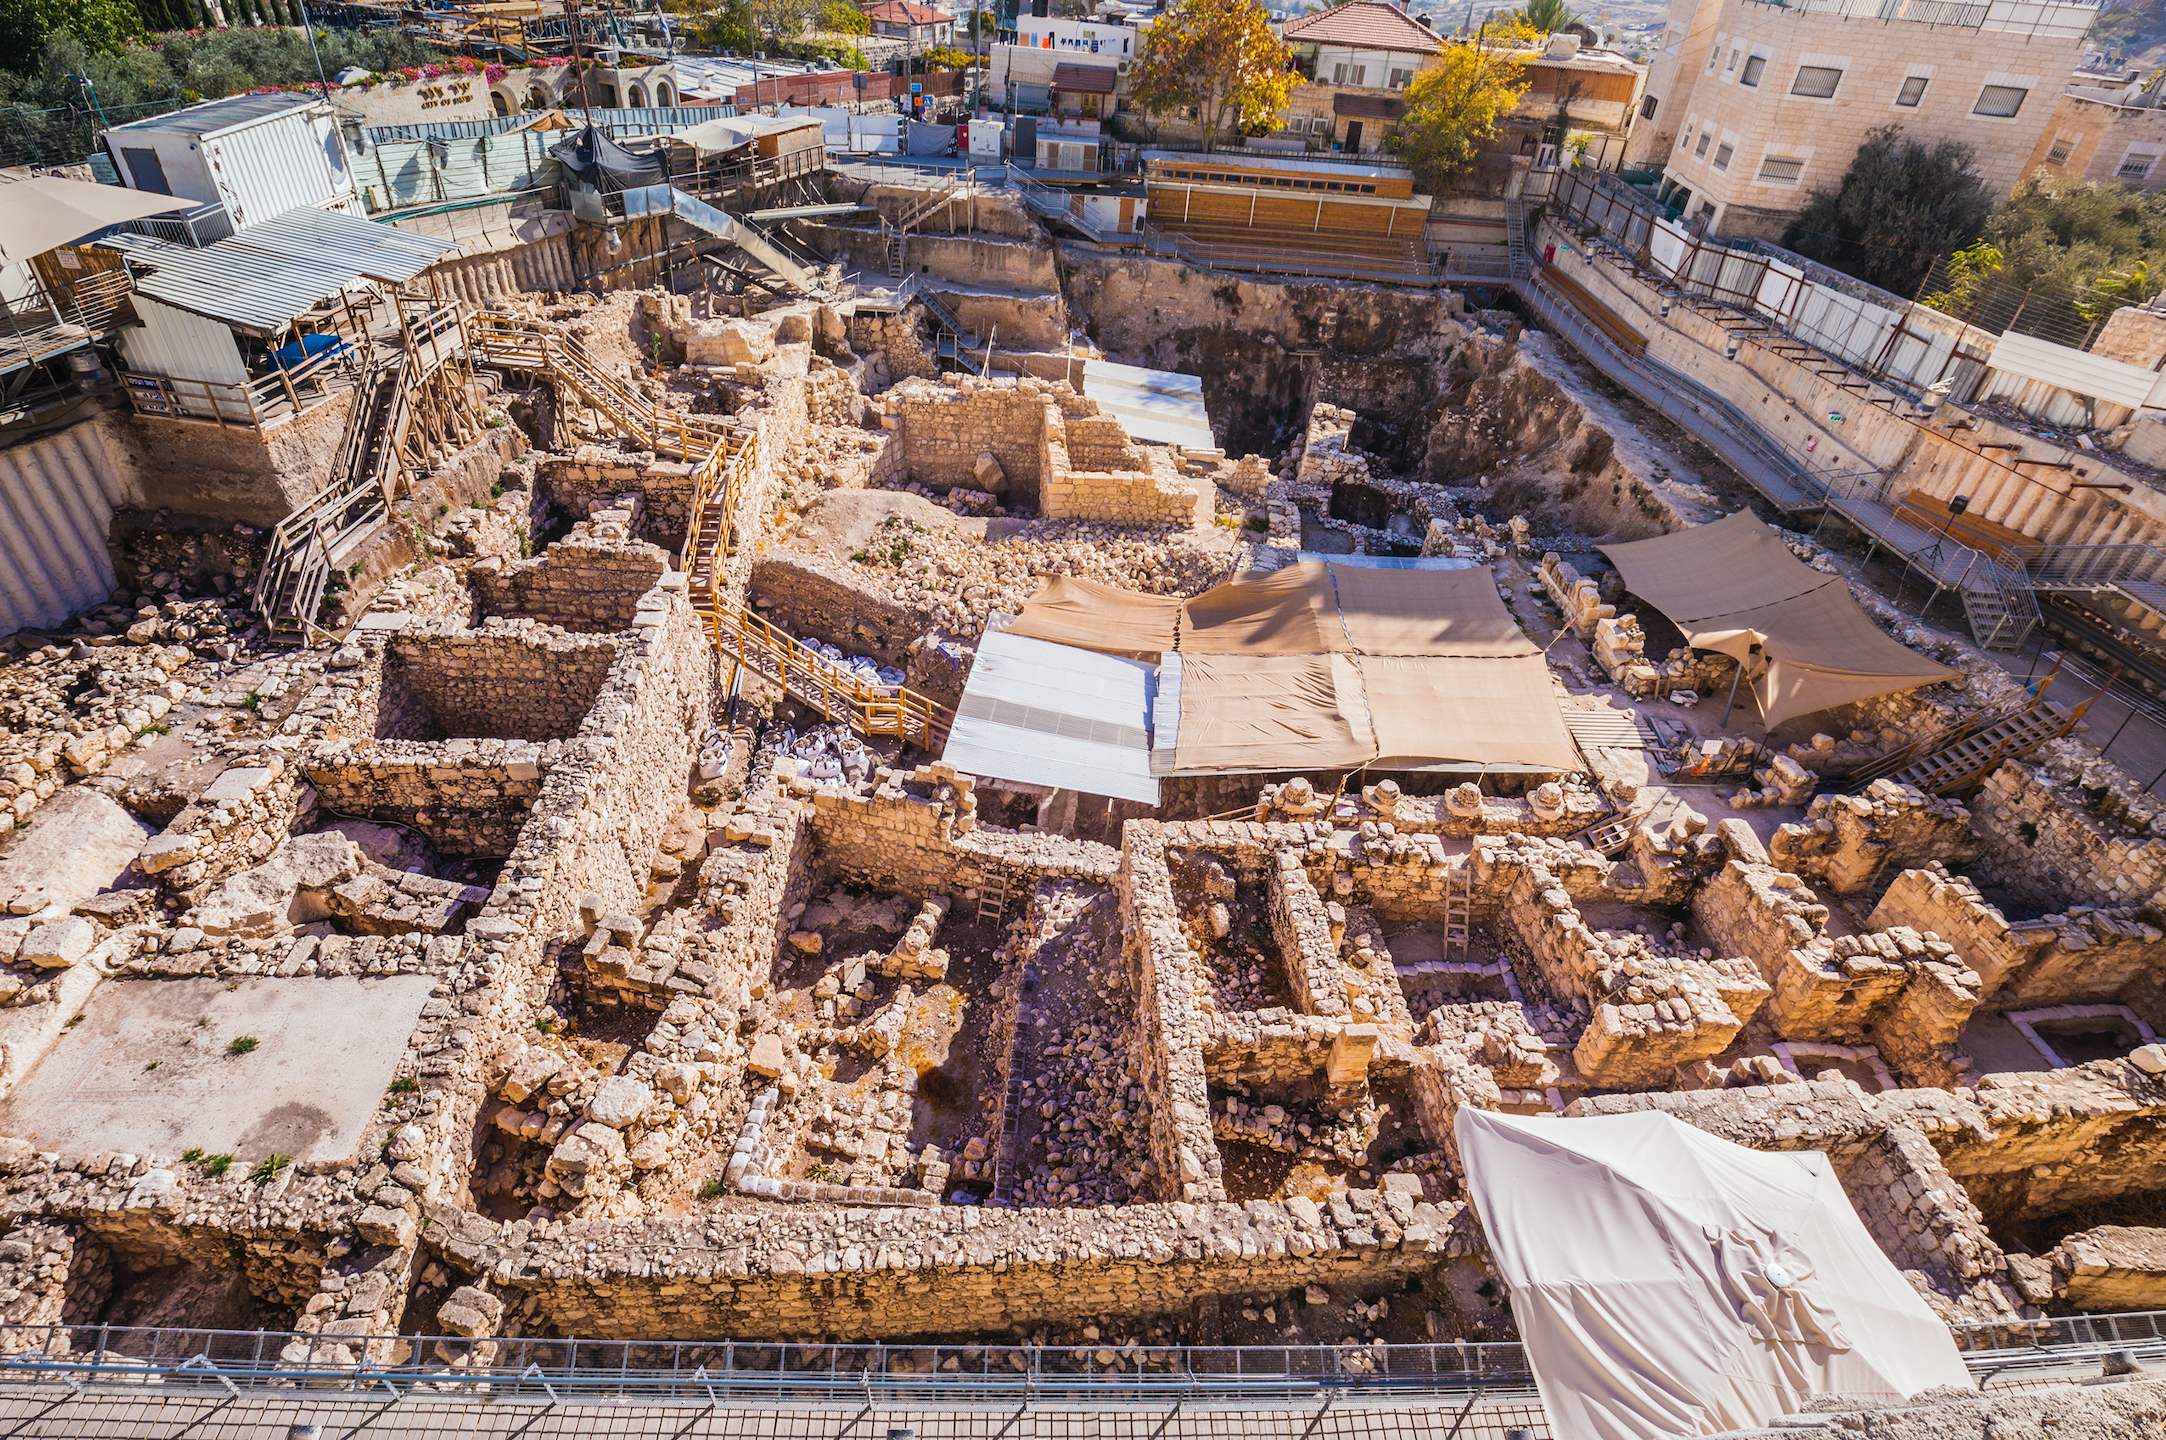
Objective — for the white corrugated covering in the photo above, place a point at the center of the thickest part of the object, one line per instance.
(264, 277)
(2070, 369)
(1048, 714)
(56, 503)
(180, 345)
(1160, 405)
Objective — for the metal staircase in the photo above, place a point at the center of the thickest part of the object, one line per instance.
(1515, 237)
(897, 231)
(953, 337)
(793, 271)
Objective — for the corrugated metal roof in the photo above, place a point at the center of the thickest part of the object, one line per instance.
(1054, 715)
(265, 276)
(213, 116)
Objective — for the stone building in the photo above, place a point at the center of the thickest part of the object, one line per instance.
(1752, 106)
(2114, 135)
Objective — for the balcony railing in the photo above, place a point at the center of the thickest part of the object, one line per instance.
(194, 228)
(2047, 19)
(253, 404)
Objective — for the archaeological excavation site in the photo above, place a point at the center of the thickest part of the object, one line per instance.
(984, 804)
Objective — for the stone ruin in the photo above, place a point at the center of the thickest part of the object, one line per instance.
(683, 1010)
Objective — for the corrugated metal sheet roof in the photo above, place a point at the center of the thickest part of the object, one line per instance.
(1054, 715)
(263, 277)
(213, 116)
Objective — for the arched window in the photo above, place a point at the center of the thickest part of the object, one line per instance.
(537, 98)
(496, 99)
(663, 95)
(638, 100)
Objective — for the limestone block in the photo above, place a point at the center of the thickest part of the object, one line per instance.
(287, 889)
(591, 1147)
(58, 945)
(619, 1101)
(728, 342)
(2113, 1267)
(382, 1225)
(766, 1057)
(530, 1072)
(470, 1311)
(79, 844)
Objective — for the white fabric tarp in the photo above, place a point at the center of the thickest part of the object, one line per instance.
(1666, 1282)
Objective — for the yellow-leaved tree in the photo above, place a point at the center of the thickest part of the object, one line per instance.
(1459, 100)
(1219, 58)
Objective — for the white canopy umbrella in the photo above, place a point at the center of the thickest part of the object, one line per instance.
(1666, 1282)
(38, 212)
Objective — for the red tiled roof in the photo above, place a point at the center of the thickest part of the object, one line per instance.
(1365, 25)
(1084, 79)
(905, 12)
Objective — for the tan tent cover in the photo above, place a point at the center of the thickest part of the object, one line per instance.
(1288, 612)
(1271, 712)
(1733, 583)
(1432, 708)
(1069, 611)
(38, 212)
(1426, 612)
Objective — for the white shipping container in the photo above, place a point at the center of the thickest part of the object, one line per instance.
(256, 155)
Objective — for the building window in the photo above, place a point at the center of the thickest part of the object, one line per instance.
(1999, 101)
(1912, 92)
(1816, 82)
(1647, 107)
(2059, 154)
(1400, 79)
(1705, 136)
(1751, 73)
(2136, 167)
(1778, 170)
(1722, 157)
(1714, 58)
(1732, 65)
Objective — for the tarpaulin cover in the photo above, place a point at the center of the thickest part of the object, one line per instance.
(1069, 611)
(1732, 584)
(1271, 712)
(1666, 1282)
(1432, 709)
(1425, 612)
(589, 151)
(711, 137)
(1055, 715)
(1287, 612)
(923, 139)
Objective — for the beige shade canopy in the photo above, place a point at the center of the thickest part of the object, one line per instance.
(1105, 618)
(38, 212)
(1734, 584)
(1321, 666)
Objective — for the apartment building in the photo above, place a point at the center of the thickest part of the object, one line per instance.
(2113, 133)
(1574, 91)
(1077, 66)
(1356, 61)
(1753, 104)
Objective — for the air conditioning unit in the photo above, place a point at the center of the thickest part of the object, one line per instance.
(1124, 67)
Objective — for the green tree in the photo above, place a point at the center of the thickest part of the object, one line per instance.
(104, 25)
(1219, 58)
(2063, 232)
(1456, 103)
(1901, 205)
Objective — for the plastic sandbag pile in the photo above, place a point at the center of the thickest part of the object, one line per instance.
(869, 671)
(714, 754)
(827, 755)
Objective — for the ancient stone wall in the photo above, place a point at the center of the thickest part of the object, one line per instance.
(471, 800)
(2047, 846)
(1847, 840)
(587, 582)
(511, 680)
(1163, 970)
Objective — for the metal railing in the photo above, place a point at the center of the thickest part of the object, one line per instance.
(2086, 567)
(567, 1371)
(47, 319)
(195, 228)
(2052, 18)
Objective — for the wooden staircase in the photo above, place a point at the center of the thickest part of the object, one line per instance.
(726, 460)
(917, 212)
(1458, 907)
(1960, 766)
(410, 403)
